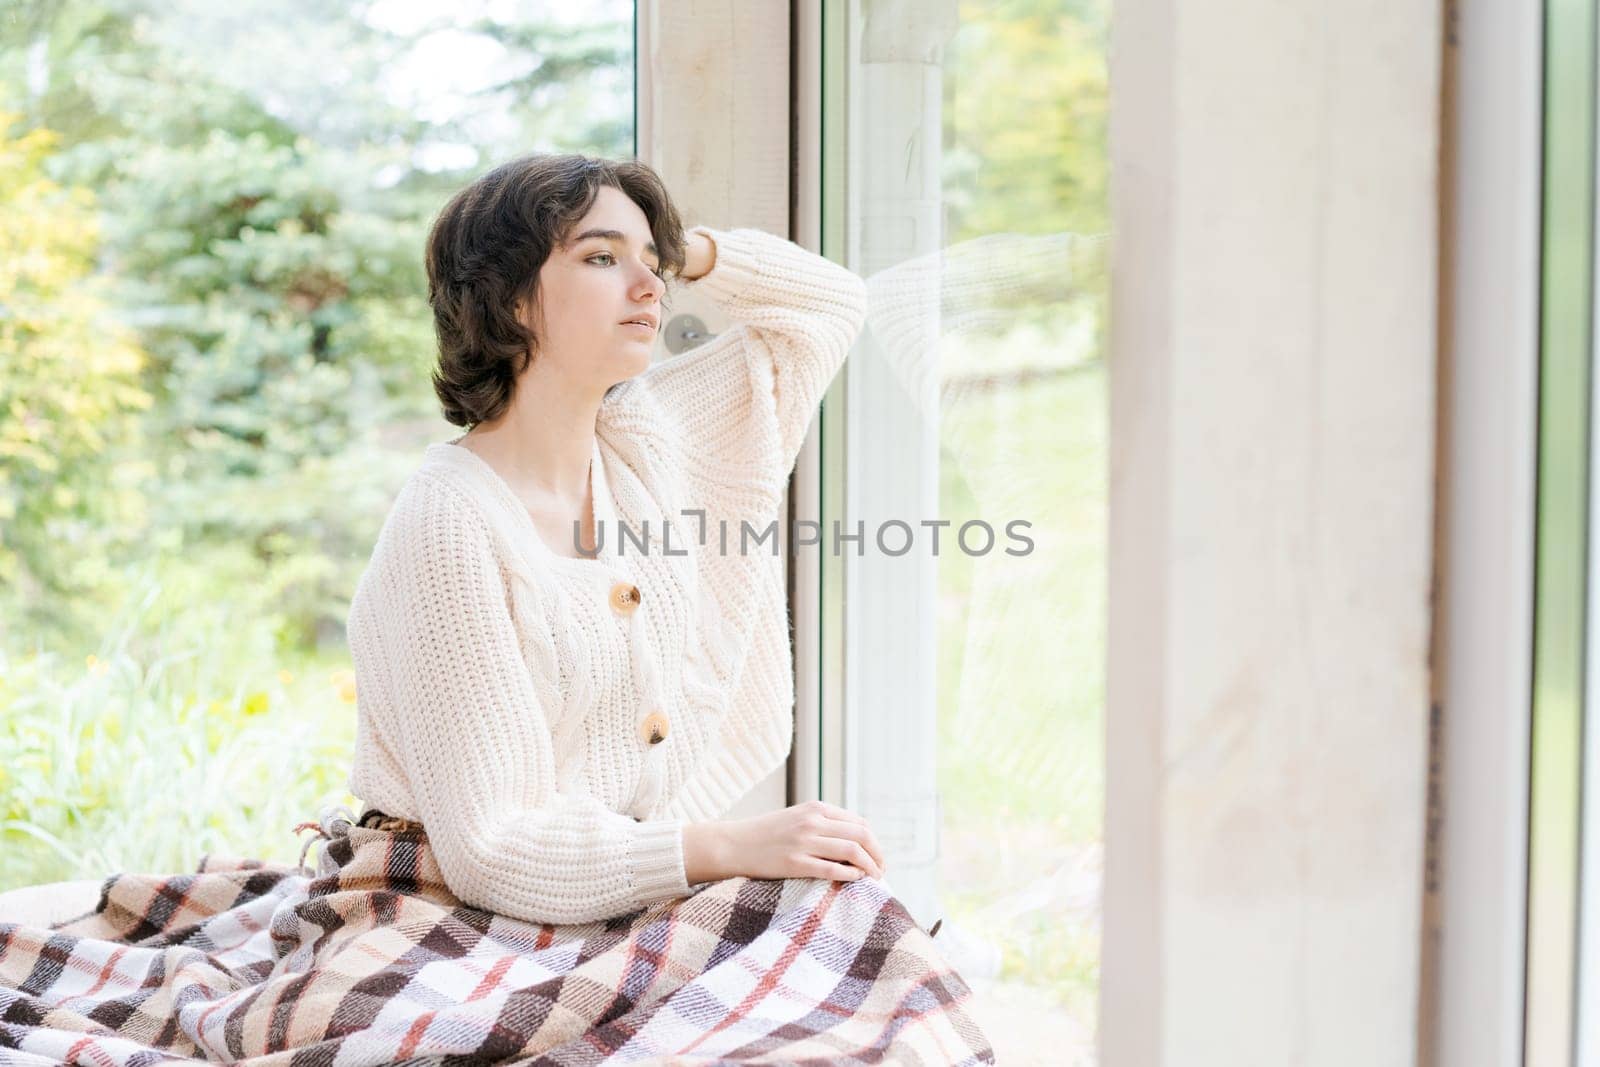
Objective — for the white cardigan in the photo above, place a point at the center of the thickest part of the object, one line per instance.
(505, 693)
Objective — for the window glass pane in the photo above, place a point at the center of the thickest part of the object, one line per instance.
(976, 411)
(1566, 339)
(215, 348)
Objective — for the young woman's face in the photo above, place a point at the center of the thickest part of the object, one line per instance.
(589, 289)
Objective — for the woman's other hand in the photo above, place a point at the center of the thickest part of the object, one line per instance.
(810, 840)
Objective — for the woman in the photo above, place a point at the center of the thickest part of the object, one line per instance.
(657, 688)
(553, 708)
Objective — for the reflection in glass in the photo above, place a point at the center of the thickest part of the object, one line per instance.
(975, 683)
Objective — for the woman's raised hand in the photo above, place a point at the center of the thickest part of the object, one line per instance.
(810, 840)
(700, 256)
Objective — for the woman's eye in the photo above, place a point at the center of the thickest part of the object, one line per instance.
(608, 255)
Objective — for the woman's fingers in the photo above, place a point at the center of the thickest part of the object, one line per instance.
(846, 851)
(837, 872)
(859, 830)
(834, 811)
(862, 833)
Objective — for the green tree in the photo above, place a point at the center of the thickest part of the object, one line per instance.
(69, 391)
(1027, 154)
(263, 206)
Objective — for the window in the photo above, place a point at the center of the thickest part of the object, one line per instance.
(964, 492)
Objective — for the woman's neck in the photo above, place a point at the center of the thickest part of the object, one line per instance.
(543, 443)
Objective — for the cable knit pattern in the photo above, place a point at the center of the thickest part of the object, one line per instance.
(503, 693)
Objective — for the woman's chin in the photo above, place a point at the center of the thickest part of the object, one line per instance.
(632, 366)
(638, 359)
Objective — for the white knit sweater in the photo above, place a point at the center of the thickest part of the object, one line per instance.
(504, 693)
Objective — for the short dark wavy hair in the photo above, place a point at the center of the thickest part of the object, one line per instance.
(484, 253)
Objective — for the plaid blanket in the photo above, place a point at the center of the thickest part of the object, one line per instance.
(371, 960)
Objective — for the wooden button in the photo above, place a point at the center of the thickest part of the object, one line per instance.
(624, 598)
(653, 730)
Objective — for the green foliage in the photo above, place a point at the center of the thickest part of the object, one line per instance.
(1022, 642)
(215, 345)
(163, 746)
(1022, 665)
(1022, 639)
(70, 392)
(255, 238)
(1025, 110)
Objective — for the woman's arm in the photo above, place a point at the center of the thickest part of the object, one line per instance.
(705, 852)
(744, 399)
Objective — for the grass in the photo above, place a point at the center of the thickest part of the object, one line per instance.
(151, 752)
(1021, 677)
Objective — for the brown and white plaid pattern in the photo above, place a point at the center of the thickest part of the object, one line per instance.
(372, 960)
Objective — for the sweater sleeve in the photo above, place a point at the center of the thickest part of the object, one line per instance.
(437, 653)
(747, 396)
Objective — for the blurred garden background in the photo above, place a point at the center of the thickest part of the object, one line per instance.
(214, 357)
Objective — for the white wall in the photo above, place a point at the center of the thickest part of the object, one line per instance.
(1273, 387)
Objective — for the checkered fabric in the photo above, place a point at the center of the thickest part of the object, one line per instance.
(372, 960)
